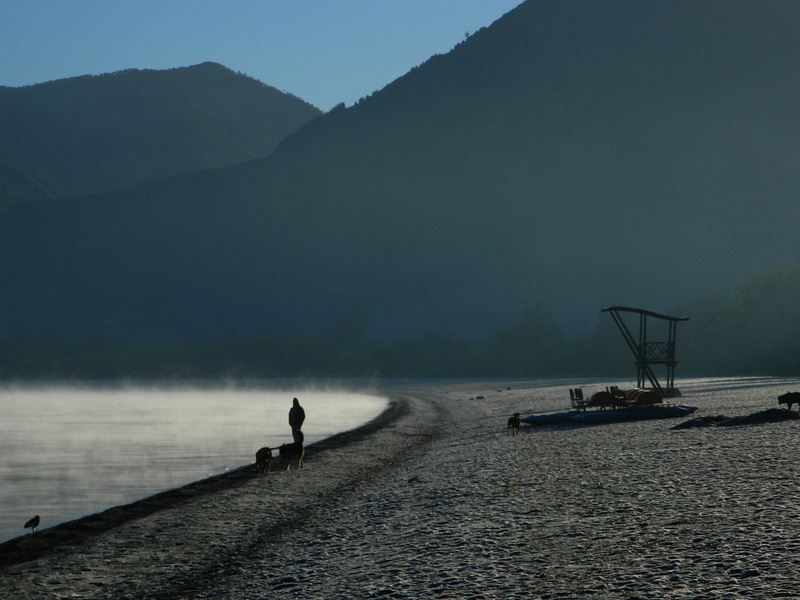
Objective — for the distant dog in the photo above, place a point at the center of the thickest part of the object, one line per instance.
(292, 452)
(264, 460)
(789, 399)
(513, 425)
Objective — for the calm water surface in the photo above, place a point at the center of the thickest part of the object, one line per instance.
(71, 451)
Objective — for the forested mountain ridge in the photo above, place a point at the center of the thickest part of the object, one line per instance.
(577, 155)
(98, 133)
(17, 185)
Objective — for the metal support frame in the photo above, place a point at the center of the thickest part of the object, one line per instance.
(649, 353)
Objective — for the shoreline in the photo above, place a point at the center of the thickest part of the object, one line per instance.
(442, 504)
(28, 547)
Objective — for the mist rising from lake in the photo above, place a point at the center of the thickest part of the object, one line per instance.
(71, 451)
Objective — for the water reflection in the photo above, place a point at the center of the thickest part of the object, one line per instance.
(68, 452)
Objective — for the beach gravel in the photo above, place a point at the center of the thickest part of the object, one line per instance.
(438, 502)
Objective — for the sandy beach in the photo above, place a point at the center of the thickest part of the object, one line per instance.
(434, 500)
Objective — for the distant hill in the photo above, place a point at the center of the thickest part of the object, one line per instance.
(93, 134)
(574, 154)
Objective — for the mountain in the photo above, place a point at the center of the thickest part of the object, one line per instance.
(91, 134)
(16, 185)
(572, 154)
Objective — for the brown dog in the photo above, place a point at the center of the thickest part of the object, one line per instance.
(264, 460)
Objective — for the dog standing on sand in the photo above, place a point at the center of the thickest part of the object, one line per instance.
(513, 425)
(789, 398)
(292, 452)
(264, 460)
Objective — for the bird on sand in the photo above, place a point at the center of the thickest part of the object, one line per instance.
(32, 524)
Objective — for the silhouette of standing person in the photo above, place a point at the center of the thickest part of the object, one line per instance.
(296, 417)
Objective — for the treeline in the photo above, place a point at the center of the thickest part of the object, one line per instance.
(535, 346)
(755, 331)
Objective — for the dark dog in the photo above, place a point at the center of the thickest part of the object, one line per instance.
(264, 460)
(290, 452)
(789, 399)
(513, 425)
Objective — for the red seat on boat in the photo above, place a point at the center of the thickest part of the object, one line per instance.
(602, 399)
(642, 397)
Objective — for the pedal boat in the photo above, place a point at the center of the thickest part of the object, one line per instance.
(612, 405)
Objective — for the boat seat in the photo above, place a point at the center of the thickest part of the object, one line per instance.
(576, 398)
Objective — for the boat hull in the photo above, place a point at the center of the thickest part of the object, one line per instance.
(621, 415)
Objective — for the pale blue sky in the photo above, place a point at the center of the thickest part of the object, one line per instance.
(324, 51)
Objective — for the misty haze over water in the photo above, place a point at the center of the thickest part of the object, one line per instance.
(66, 452)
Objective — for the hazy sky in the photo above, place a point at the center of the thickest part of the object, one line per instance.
(324, 51)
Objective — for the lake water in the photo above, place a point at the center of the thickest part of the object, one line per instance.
(67, 452)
